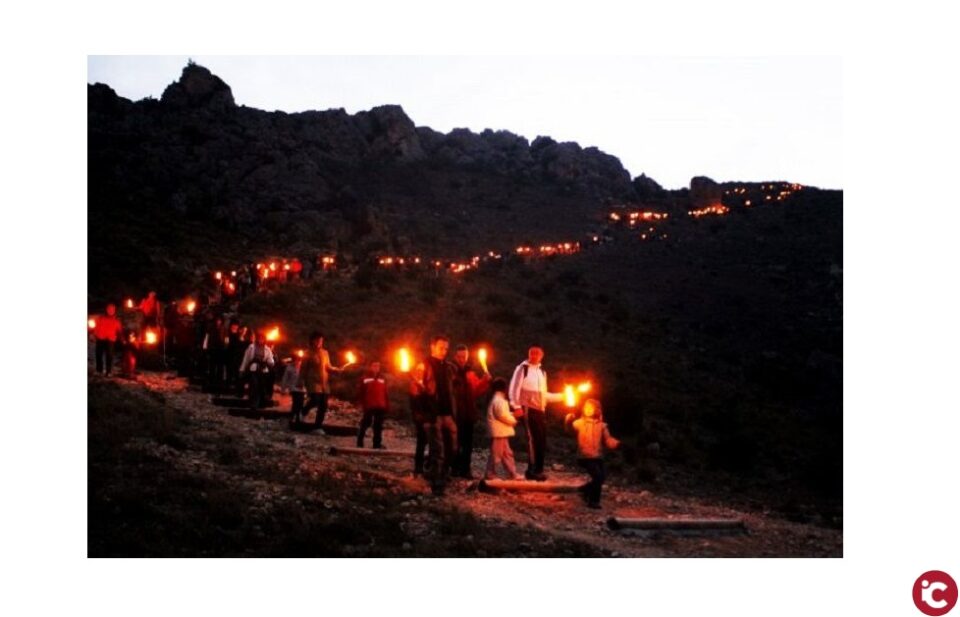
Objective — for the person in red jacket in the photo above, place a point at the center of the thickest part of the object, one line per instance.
(468, 386)
(374, 403)
(106, 333)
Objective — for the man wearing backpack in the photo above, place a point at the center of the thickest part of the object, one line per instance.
(528, 398)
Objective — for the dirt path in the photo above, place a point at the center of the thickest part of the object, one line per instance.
(555, 523)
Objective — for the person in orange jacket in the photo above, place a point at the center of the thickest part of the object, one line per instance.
(106, 333)
(374, 402)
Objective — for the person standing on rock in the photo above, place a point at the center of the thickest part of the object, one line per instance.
(374, 404)
(438, 376)
(419, 409)
(315, 379)
(257, 363)
(106, 332)
(468, 387)
(529, 398)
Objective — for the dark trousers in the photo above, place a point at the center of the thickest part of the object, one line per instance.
(535, 422)
(316, 400)
(296, 406)
(104, 355)
(465, 453)
(374, 416)
(443, 450)
(260, 390)
(418, 454)
(216, 369)
(598, 474)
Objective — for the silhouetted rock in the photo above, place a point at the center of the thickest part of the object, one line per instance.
(704, 192)
(390, 132)
(198, 87)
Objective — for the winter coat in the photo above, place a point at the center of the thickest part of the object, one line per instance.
(500, 420)
(592, 436)
(373, 392)
(108, 328)
(528, 387)
(468, 387)
(438, 376)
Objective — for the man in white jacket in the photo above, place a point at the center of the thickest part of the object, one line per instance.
(529, 397)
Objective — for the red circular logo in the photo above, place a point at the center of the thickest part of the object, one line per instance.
(935, 593)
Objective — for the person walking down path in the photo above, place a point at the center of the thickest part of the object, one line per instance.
(592, 437)
(374, 403)
(315, 379)
(257, 363)
(500, 423)
(529, 397)
(106, 333)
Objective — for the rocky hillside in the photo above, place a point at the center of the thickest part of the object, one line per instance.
(195, 162)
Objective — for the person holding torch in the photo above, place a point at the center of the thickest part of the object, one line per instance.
(315, 379)
(438, 379)
(528, 399)
(468, 387)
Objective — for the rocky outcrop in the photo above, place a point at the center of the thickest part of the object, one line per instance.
(705, 192)
(198, 87)
(390, 133)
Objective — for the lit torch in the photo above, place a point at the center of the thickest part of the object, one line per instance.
(351, 357)
(403, 360)
(482, 356)
(129, 303)
(273, 334)
(191, 306)
(91, 323)
(150, 337)
(569, 396)
(584, 387)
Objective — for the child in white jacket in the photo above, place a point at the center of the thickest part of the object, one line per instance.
(500, 421)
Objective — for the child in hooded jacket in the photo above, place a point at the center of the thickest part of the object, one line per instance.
(501, 423)
(593, 436)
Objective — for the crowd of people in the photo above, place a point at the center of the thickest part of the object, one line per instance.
(445, 396)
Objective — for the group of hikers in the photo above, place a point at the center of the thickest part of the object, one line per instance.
(444, 396)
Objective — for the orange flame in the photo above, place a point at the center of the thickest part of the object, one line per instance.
(150, 337)
(191, 306)
(351, 357)
(273, 334)
(129, 303)
(584, 387)
(91, 323)
(569, 396)
(218, 275)
(403, 360)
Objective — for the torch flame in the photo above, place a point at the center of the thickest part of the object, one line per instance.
(351, 357)
(91, 323)
(129, 303)
(584, 387)
(299, 353)
(273, 334)
(218, 275)
(569, 396)
(403, 360)
(150, 337)
(482, 355)
(191, 306)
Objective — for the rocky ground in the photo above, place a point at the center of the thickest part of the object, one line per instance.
(170, 474)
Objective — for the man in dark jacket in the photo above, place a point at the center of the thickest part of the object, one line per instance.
(468, 387)
(438, 376)
(234, 355)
